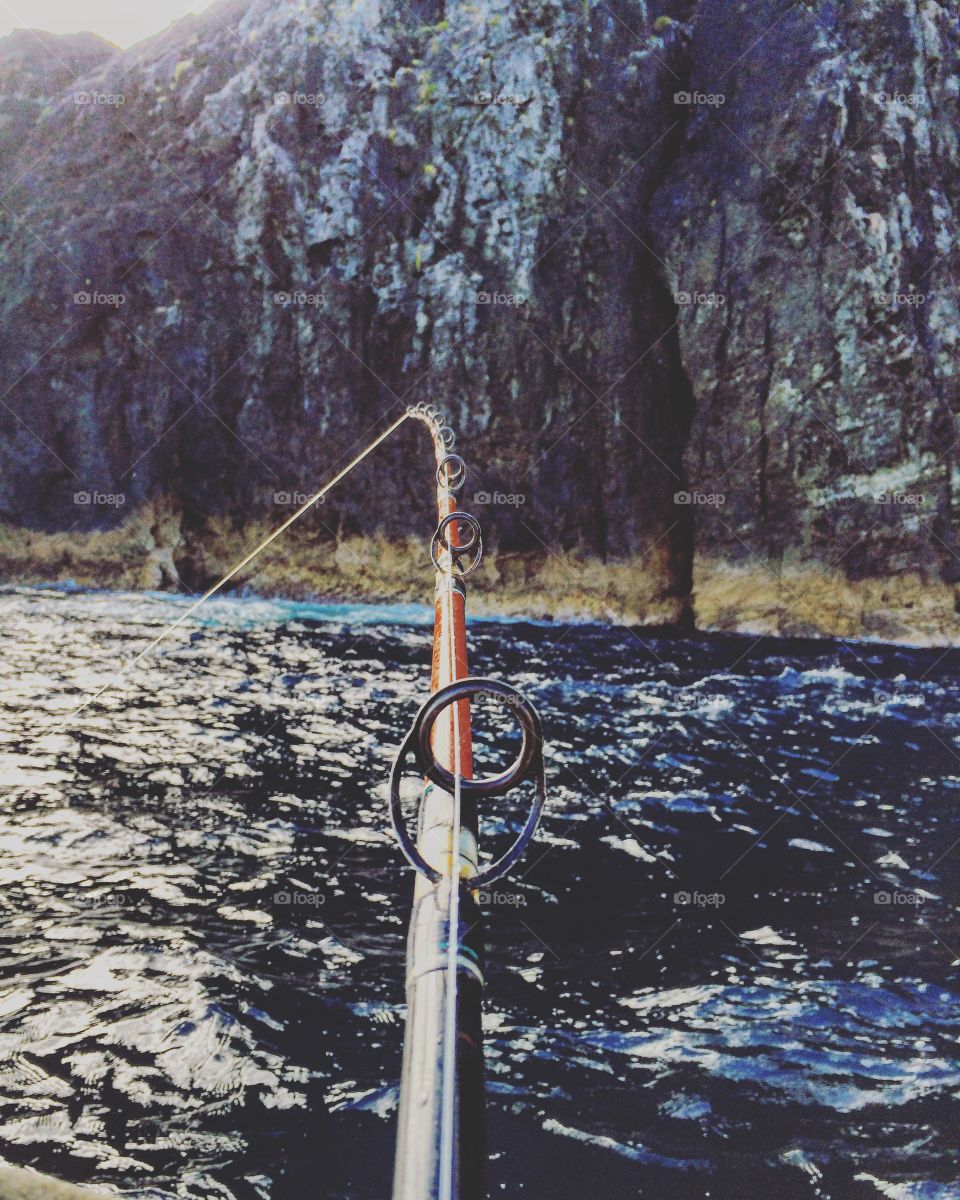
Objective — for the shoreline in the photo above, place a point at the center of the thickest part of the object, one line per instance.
(755, 599)
(394, 608)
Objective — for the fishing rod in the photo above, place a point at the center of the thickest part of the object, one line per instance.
(441, 1142)
(441, 1149)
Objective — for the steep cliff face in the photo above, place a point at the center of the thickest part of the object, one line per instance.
(823, 207)
(642, 254)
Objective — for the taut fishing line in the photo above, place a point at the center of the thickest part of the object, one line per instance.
(234, 572)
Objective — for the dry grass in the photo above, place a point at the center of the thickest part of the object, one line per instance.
(808, 600)
(106, 560)
(146, 551)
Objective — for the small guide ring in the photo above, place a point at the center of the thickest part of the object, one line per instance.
(441, 545)
(451, 473)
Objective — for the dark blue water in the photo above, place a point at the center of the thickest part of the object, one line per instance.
(728, 968)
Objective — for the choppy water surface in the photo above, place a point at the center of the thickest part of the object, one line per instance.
(727, 969)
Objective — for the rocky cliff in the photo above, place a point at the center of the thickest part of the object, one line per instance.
(680, 273)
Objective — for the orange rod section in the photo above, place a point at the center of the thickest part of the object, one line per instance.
(450, 648)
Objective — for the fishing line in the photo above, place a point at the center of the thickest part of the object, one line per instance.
(234, 571)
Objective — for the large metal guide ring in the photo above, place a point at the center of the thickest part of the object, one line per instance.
(527, 765)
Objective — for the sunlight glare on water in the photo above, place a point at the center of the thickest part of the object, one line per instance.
(728, 966)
